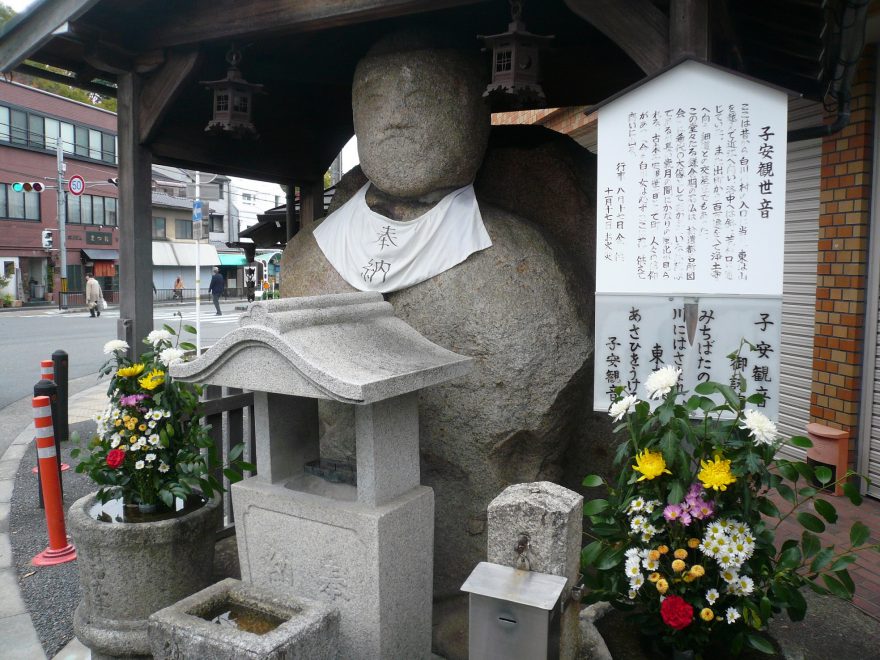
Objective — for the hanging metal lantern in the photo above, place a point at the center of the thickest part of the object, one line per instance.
(233, 101)
(516, 71)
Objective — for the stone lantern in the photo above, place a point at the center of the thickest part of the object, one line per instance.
(515, 62)
(364, 548)
(233, 100)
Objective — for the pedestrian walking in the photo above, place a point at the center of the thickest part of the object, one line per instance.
(178, 289)
(216, 288)
(94, 296)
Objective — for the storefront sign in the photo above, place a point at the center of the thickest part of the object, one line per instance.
(98, 238)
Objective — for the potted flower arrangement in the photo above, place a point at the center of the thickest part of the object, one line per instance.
(686, 538)
(152, 453)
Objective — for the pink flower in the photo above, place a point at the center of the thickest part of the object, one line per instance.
(672, 512)
(132, 399)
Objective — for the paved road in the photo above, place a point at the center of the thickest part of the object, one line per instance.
(28, 336)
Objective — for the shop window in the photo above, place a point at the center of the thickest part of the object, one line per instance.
(108, 148)
(85, 203)
(73, 215)
(36, 132)
(19, 127)
(110, 211)
(81, 134)
(98, 210)
(216, 223)
(4, 124)
(183, 228)
(18, 206)
(159, 228)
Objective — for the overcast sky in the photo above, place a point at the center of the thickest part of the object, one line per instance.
(18, 5)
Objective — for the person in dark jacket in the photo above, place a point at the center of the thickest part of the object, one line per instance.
(216, 288)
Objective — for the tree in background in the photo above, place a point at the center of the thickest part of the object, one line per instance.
(51, 86)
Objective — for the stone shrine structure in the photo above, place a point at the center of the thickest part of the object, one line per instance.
(365, 549)
(519, 307)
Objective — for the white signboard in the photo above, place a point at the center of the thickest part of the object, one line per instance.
(691, 186)
(636, 335)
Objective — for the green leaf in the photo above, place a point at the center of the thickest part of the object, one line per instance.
(822, 559)
(731, 396)
(766, 608)
(842, 562)
(591, 553)
(819, 589)
(610, 559)
(593, 507)
(187, 346)
(810, 544)
(231, 474)
(760, 643)
(800, 441)
(169, 329)
(859, 533)
(787, 493)
(237, 451)
(767, 507)
(806, 471)
(836, 587)
(810, 522)
(676, 493)
(706, 388)
(191, 330)
(590, 481)
(825, 509)
(846, 580)
(786, 469)
(809, 491)
(790, 558)
(852, 493)
(823, 474)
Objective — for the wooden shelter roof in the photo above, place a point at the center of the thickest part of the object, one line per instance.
(304, 53)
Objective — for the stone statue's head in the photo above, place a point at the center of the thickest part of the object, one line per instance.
(419, 115)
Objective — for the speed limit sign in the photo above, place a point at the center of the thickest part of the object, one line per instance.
(76, 185)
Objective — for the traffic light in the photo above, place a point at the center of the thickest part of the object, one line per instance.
(28, 186)
(114, 181)
(47, 239)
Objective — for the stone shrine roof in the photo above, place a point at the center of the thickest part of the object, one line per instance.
(347, 347)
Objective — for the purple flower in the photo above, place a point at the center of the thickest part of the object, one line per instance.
(672, 512)
(685, 517)
(704, 510)
(132, 399)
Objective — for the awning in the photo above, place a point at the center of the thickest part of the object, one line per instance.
(94, 254)
(163, 255)
(227, 259)
(186, 254)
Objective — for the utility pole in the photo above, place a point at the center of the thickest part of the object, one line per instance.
(197, 227)
(62, 217)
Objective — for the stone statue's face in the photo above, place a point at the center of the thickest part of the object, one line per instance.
(420, 121)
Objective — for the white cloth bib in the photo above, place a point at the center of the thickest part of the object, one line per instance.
(374, 253)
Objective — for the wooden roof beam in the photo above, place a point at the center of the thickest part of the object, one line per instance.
(162, 87)
(208, 20)
(83, 82)
(638, 28)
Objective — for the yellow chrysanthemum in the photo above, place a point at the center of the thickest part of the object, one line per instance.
(689, 577)
(681, 553)
(662, 549)
(142, 428)
(650, 464)
(693, 543)
(130, 372)
(716, 474)
(654, 555)
(654, 577)
(152, 380)
(678, 566)
(662, 586)
(118, 422)
(706, 614)
(697, 570)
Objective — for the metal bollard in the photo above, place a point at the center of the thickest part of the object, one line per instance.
(62, 430)
(46, 388)
(60, 550)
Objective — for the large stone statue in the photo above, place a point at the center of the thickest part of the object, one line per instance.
(515, 306)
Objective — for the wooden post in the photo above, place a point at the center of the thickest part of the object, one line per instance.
(311, 201)
(135, 235)
(688, 29)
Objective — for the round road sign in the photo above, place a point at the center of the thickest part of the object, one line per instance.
(76, 185)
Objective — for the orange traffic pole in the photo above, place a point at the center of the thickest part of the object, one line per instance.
(47, 370)
(60, 550)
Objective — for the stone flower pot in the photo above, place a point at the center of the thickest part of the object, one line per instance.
(130, 570)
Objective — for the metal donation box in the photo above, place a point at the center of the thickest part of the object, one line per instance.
(511, 612)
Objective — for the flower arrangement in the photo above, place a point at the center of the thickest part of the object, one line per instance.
(686, 538)
(150, 446)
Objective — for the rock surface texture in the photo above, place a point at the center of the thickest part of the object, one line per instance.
(521, 309)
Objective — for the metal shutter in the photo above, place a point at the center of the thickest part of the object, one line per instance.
(799, 275)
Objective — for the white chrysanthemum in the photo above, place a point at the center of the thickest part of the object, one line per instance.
(115, 345)
(650, 505)
(631, 552)
(150, 457)
(711, 596)
(746, 585)
(153, 439)
(139, 465)
(620, 408)
(648, 532)
(729, 576)
(166, 413)
(650, 564)
(637, 523)
(171, 356)
(661, 382)
(714, 529)
(163, 468)
(636, 581)
(155, 414)
(761, 428)
(636, 505)
(151, 424)
(157, 336)
(631, 594)
(732, 615)
(114, 443)
(632, 571)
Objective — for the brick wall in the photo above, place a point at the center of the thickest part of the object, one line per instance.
(844, 217)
